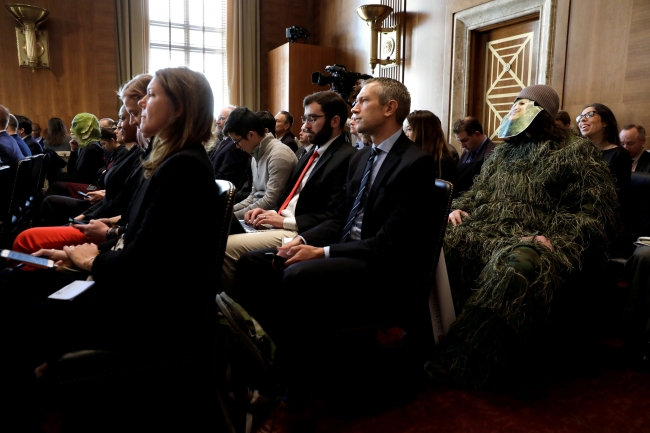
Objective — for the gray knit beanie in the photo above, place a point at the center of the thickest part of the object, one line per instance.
(544, 95)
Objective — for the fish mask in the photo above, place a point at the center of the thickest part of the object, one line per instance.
(85, 129)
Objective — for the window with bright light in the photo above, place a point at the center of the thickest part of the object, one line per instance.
(190, 33)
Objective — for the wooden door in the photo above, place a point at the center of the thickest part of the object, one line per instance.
(503, 60)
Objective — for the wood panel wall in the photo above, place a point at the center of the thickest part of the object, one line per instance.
(607, 57)
(290, 78)
(83, 62)
(341, 28)
(275, 17)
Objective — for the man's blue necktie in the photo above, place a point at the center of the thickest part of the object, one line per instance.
(357, 201)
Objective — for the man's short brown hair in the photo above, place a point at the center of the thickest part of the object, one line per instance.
(390, 89)
(331, 103)
(468, 124)
(563, 117)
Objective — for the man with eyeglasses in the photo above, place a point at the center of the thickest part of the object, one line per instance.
(229, 163)
(364, 263)
(315, 188)
(272, 162)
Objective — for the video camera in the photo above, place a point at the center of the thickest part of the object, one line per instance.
(341, 81)
(295, 32)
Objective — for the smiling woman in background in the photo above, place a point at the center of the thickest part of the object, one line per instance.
(598, 124)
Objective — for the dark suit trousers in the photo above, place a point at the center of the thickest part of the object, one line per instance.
(56, 209)
(305, 306)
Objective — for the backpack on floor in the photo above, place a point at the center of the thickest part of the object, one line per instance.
(246, 388)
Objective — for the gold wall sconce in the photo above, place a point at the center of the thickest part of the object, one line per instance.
(390, 49)
(33, 47)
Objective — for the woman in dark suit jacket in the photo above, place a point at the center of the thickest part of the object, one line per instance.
(148, 292)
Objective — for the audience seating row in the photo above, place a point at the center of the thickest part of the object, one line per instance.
(21, 188)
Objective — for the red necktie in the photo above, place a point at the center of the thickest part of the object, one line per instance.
(295, 187)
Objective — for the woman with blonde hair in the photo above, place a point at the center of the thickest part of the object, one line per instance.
(130, 93)
(143, 295)
(424, 129)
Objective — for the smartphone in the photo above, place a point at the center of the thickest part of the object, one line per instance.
(277, 260)
(74, 221)
(41, 262)
(82, 194)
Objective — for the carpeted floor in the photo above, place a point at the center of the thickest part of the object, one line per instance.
(612, 401)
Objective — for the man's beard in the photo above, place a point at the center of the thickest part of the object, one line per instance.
(322, 136)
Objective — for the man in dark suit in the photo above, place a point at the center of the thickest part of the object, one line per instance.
(36, 133)
(315, 188)
(229, 163)
(25, 132)
(10, 153)
(283, 123)
(12, 129)
(476, 147)
(304, 146)
(367, 262)
(633, 139)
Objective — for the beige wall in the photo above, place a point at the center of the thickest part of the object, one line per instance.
(82, 77)
(607, 57)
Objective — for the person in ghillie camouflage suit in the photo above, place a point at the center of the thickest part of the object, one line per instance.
(541, 210)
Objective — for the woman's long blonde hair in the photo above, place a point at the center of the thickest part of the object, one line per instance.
(137, 86)
(189, 92)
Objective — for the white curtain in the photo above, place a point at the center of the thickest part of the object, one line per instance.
(243, 53)
(132, 32)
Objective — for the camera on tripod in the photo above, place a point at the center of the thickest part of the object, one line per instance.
(341, 80)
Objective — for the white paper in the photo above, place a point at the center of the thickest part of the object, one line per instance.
(72, 290)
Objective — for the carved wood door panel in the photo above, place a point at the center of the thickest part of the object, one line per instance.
(502, 62)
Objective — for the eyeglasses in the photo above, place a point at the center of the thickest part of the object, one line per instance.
(588, 115)
(311, 118)
(238, 141)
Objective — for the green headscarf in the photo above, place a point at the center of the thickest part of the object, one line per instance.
(85, 129)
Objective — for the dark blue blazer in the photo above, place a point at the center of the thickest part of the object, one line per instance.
(230, 163)
(33, 145)
(9, 151)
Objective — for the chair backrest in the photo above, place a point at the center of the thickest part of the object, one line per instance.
(441, 309)
(639, 204)
(443, 191)
(22, 187)
(6, 190)
(44, 170)
(37, 166)
(226, 200)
